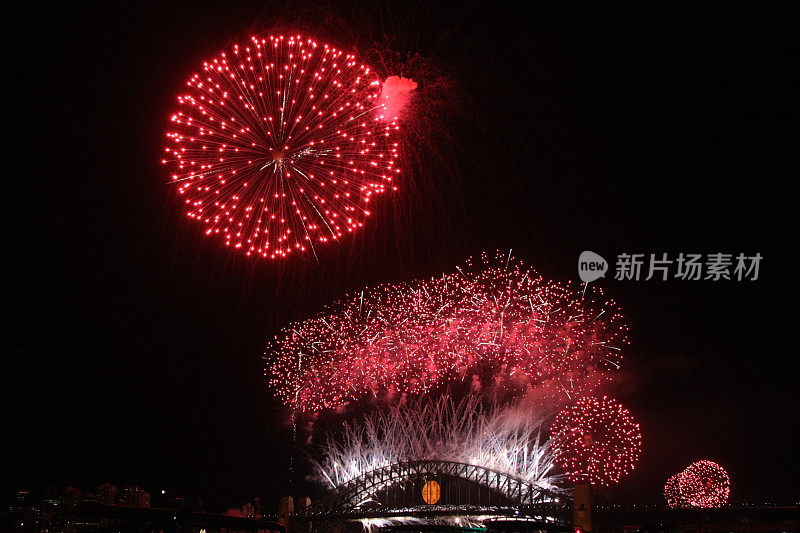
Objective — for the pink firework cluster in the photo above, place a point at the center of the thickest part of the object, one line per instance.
(493, 321)
(701, 484)
(672, 492)
(280, 144)
(597, 441)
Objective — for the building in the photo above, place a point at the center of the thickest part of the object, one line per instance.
(133, 496)
(107, 494)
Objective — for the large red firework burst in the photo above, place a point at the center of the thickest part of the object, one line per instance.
(597, 440)
(492, 321)
(280, 144)
(702, 484)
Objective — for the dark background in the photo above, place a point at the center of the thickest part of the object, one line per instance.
(132, 346)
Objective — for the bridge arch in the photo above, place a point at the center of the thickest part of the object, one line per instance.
(354, 493)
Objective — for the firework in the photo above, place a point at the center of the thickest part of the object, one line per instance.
(704, 484)
(597, 440)
(493, 320)
(529, 331)
(280, 144)
(672, 492)
(368, 345)
(504, 439)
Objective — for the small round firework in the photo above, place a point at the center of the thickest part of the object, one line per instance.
(704, 484)
(280, 143)
(597, 440)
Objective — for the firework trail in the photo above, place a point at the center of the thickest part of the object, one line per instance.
(280, 144)
(596, 440)
(505, 439)
(701, 484)
(492, 321)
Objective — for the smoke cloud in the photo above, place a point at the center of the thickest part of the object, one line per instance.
(396, 94)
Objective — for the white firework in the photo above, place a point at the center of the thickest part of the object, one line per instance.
(503, 439)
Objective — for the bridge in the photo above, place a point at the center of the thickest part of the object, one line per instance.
(394, 491)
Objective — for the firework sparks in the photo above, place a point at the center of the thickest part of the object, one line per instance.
(504, 439)
(280, 144)
(672, 492)
(597, 440)
(701, 484)
(492, 320)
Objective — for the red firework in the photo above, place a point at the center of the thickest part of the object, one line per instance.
(497, 322)
(672, 492)
(280, 144)
(596, 441)
(704, 484)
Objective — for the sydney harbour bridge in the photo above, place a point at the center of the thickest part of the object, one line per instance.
(434, 495)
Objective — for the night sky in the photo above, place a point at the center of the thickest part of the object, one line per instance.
(132, 345)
